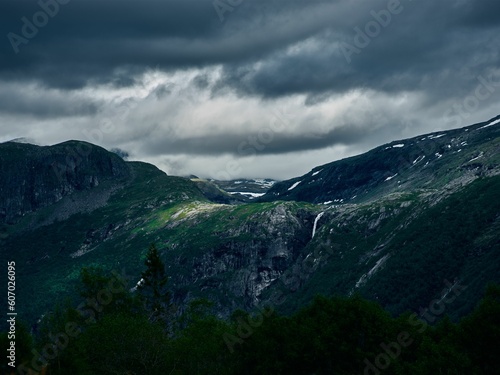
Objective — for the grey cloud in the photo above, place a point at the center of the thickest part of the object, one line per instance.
(86, 42)
(265, 142)
(161, 91)
(40, 103)
(101, 42)
(265, 50)
(429, 47)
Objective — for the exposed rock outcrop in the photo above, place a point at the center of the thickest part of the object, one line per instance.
(34, 177)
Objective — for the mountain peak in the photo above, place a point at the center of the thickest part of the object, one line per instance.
(37, 176)
(423, 162)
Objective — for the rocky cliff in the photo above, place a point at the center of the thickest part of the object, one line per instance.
(34, 177)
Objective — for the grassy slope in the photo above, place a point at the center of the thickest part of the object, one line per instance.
(169, 211)
(456, 239)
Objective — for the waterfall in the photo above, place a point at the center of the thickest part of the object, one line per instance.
(316, 222)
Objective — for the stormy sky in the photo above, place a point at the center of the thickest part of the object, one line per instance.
(245, 88)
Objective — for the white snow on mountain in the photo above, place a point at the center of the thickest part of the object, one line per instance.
(419, 159)
(294, 185)
(377, 265)
(436, 136)
(477, 157)
(248, 194)
(490, 124)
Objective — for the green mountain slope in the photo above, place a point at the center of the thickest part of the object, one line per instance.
(404, 250)
(399, 242)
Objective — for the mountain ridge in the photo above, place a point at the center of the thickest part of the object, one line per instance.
(389, 164)
(240, 255)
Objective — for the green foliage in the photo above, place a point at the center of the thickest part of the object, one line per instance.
(448, 240)
(199, 348)
(104, 292)
(336, 335)
(481, 332)
(153, 287)
(125, 344)
(329, 336)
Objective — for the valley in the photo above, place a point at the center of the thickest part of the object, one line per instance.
(392, 225)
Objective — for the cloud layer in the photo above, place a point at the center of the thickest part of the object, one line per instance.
(195, 85)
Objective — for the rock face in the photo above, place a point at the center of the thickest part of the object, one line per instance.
(34, 177)
(250, 257)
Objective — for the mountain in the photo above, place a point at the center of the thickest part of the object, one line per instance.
(399, 224)
(433, 161)
(246, 189)
(35, 177)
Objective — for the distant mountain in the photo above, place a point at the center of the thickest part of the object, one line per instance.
(247, 189)
(398, 224)
(23, 140)
(433, 161)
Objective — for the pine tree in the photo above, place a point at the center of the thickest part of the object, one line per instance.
(153, 287)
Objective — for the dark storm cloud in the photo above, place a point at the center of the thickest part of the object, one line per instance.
(89, 42)
(263, 142)
(431, 46)
(113, 41)
(263, 54)
(41, 103)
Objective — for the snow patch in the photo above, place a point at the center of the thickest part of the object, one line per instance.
(391, 177)
(315, 173)
(294, 185)
(374, 269)
(399, 145)
(264, 183)
(490, 124)
(477, 157)
(436, 136)
(247, 193)
(419, 159)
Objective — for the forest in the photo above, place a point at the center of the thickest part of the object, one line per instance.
(118, 330)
